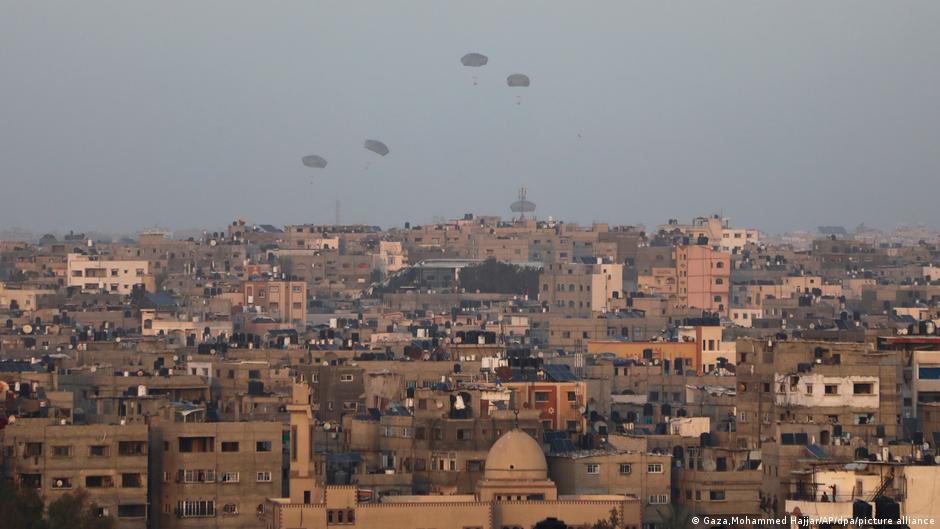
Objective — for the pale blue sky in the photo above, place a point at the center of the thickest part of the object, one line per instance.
(118, 115)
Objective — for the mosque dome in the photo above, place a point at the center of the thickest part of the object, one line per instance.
(516, 456)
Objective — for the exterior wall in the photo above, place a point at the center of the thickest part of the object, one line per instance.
(116, 480)
(703, 278)
(242, 477)
(282, 300)
(560, 411)
(745, 317)
(736, 239)
(460, 513)
(27, 299)
(572, 476)
(763, 418)
(810, 391)
(717, 481)
(119, 277)
(926, 372)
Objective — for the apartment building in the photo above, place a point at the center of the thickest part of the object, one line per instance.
(609, 471)
(284, 301)
(703, 278)
(215, 474)
(576, 288)
(804, 400)
(108, 461)
(91, 273)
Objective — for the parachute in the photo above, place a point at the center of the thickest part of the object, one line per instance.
(314, 161)
(517, 80)
(474, 60)
(376, 146)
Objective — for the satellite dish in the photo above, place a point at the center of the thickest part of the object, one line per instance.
(27, 329)
(581, 410)
(326, 426)
(708, 465)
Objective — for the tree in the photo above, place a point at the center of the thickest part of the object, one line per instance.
(614, 522)
(494, 276)
(21, 507)
(74, 511)
(675, 517)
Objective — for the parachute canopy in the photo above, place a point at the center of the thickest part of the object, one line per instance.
(315, 161)
(474, 59)
(517, 79)
(376, 146)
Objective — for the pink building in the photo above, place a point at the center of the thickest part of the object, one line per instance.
(703, 278)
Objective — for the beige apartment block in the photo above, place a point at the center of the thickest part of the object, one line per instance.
(117, 277)
(107, 461)
(214, 474)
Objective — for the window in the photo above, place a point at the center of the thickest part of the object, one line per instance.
(230, 509)
(98, 451)
(809, 389)
(195, 508)
(542, 396)
(340, 516)
(33, 481)
(61, 451)
(659, 499)
(61, 483)
(134, 510)
(572, 396)
(196, 444)
(832, 389)
(464, 434)
(592, 468)
(196, 475)
(716, 495)
(626, 468)
(263, 446)
(33, 450)
(229, 477)
(345, 378)
(654, 468)
(101, 482)
(263, 477)
(230, 446)
(132, 448)
(131, 480)
(863, 388)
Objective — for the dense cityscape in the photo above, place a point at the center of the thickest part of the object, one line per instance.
(536, 264)
(478, 372)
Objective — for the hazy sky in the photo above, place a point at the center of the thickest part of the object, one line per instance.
(119, 115)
